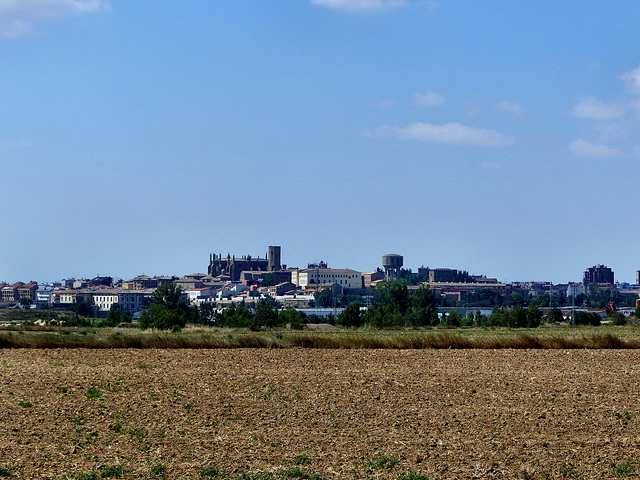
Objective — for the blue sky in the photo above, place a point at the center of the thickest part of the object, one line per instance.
(497, 137)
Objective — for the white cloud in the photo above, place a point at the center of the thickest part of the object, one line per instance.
(583, 149)
(20, 17)
(430, 5)
(510, 107)
(452, 134)
(429, 99)
(361, 5)
(594, 109)
(632, 81)
(612, 131)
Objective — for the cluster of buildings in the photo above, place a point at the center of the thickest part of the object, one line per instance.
(247, 279)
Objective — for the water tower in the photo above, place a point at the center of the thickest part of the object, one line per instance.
(392, 264)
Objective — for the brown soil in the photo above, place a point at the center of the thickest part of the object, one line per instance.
(350, 413)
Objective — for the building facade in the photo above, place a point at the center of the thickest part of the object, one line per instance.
(344, 277)
(598, 274)
(233, 266)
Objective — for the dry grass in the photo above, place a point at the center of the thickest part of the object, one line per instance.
(432, 339)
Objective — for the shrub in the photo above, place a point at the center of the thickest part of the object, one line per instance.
(454, 319)
(618, 318)
(294, 318)
(622, 470)
(210, 472)
(413, 476)
(350, 316)
(382, 463)
(158, 470)
(87, 476)
(295, 472)
(111, 471)
(586, 318)
(93, 393)
(554, 315)
(302, 460)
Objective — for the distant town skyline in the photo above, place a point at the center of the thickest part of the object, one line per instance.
(496, 137)
(262, 257)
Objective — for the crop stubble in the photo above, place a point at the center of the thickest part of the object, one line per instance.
(443, 413)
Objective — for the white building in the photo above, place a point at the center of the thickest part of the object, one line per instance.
(575, 289)
(43, 294)
(345, 277)
(197, 294)
(104, 299)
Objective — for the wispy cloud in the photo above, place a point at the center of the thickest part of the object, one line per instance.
(448, 134)
(631, 81)
(583, 149)
(510, 107)
(361, 5)
(594, 109)
(429, 99)
(21, 17)
(613, 131)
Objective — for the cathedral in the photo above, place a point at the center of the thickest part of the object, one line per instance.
(233, 267)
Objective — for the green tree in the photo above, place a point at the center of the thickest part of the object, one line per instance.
(206, 311)
(390, 305)
(294, 318)
(554, 315)
(498, 318)
(586, 318)
(169, 296)
(517, 317)
(514, 300)
(454, 319)
(266, 313)
(542, 300)
(350, 316)
(235, 316)
(160, 317)
(617, 318)
(324, 298)
(26, 302)
(114, 316)
(533, 316)
(424, 311)
(468, 321)
(167, 310)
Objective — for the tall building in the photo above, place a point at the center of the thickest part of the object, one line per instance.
(233, 266)
(598, 274)
(273, 255)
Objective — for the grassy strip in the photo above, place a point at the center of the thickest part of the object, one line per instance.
(328, 340)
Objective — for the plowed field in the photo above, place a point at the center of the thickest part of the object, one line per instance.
(297, 413)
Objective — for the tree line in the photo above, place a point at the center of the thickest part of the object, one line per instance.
(391, 305)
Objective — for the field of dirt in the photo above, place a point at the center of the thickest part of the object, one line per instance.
(297, 413)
